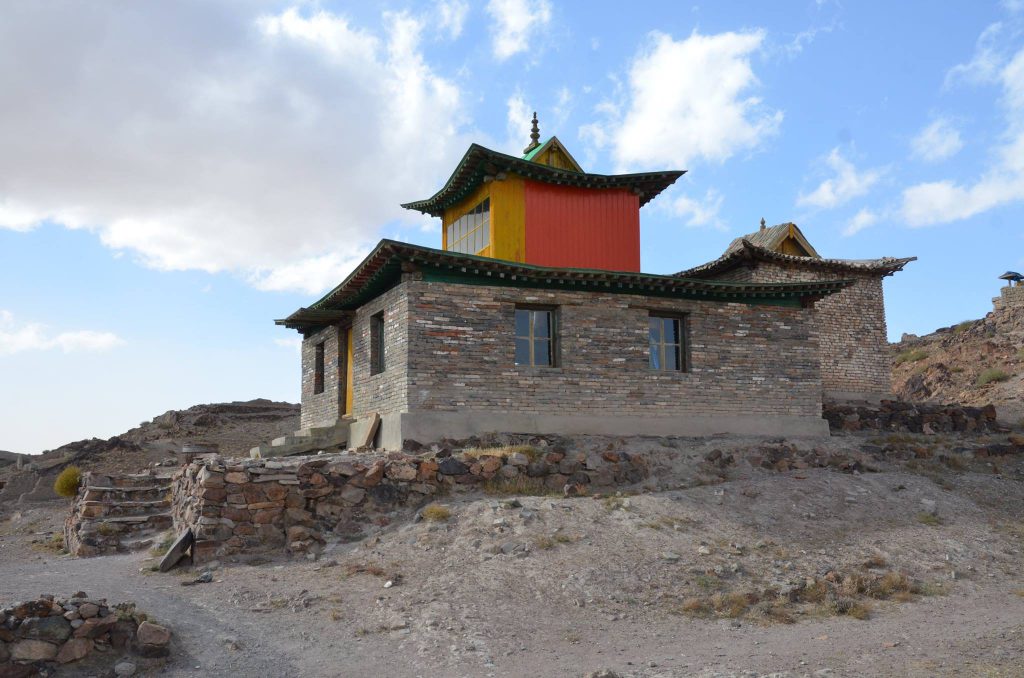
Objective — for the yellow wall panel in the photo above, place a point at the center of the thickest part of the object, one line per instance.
(508, 217)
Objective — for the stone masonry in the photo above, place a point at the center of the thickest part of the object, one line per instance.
(851, 327)
(236, 505)
(1011, 296)
(449, 349)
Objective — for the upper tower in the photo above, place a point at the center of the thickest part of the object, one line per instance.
(542, 208)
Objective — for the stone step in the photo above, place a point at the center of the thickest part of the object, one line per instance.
(314, 431)
(119, 495)
(151, 518)
(284, 441)
(118, 508)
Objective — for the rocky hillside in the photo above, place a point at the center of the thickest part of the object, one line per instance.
(975, 362)
(233, 427)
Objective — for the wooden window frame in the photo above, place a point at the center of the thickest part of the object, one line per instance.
(459, 231)
(682, 347)
(377, 343)
(319, 367)
(553, 343)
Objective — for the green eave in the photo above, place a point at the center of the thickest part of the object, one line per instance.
(383, 268)
(480, 163)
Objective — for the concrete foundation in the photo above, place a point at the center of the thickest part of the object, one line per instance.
(427, 427)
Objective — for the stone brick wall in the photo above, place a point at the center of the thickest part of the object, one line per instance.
(235, 506)
(323, 409)
(760, 360)
(384, 393)
(1009, 297)
(851, 327)
(387, 392)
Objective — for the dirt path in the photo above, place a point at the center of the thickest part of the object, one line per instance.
(203, 629)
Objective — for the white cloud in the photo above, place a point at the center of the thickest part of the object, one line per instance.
(220, 137)
(686, 99)
(452, 16)
(848, 183)
(937, 141)
(18, 337)
(861, 220)
(563, 106)
(984, 65)
(514, 22)
(938, 202)
(518, 121)
(698, 212)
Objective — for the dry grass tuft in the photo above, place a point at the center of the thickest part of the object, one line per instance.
(436, 513)
(991, 375)
(365, 568)
(874, 562)
(911, 356)
(520, 485)
(928, 519)
(506, 451)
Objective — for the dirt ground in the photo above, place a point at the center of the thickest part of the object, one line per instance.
(560, 586)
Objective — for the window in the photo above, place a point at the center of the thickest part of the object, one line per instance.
(667, 345)
(471, 232)
(535, 337)
(318, 369)
(377, 343)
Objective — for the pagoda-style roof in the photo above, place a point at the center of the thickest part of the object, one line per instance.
(481, 164)
(772, 237)
(383, 268)
(746, 253)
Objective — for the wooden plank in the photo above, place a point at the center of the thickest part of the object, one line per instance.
(371, 431)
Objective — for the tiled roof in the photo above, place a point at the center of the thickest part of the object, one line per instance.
(480, 162)
(744, 252)
(773, 236)
(382, 267)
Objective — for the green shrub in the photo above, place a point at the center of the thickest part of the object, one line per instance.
(911, 356)
(66, 484)
(962, 327)
(992, 374)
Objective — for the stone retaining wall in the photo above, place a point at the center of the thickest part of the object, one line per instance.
(904, 417)
(236, 505)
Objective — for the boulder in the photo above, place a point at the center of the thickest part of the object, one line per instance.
(450, 466)
(95, 627)
(33, 651)
(152, 640)
(51, 629)
(149, 633)
(74, 649)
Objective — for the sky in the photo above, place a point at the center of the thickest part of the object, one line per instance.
(175, 176)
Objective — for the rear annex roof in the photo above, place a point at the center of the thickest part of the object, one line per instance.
(480, 162)
(743, 253)
(383, 267)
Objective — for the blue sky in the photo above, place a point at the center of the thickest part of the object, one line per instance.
(174, 176)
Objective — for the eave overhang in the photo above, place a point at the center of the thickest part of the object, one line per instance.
(748, 254)
(481, 164)
(382, 269)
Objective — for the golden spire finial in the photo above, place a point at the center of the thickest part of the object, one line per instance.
(534, 136)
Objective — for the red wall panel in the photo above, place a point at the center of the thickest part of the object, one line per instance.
(582, 228)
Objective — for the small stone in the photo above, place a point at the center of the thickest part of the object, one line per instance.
(124, 669)
(670, 557)
(704, 550)
(87, 610)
